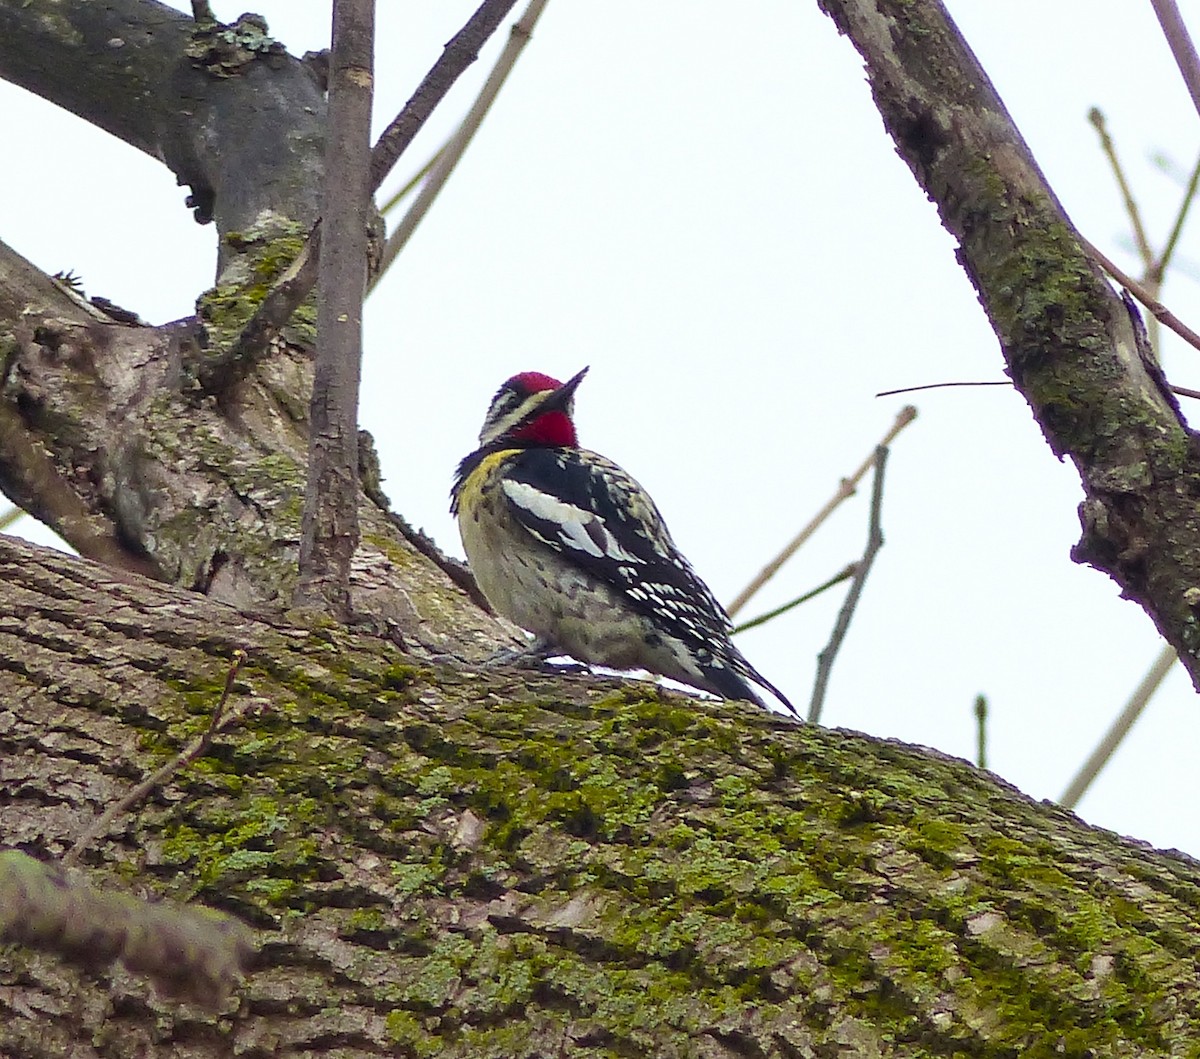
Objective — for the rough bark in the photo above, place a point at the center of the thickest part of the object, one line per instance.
(452, 860)
(225, 108)
(1067, 338)
(329, 532)
(449, 862)
(108, 437)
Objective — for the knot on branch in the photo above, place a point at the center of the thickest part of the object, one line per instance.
(223, 50)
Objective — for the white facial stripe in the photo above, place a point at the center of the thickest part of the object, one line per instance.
(577, 528)
(500, 420)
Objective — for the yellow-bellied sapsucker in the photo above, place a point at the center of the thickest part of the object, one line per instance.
(567, 545)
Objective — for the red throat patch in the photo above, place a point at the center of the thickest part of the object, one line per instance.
(553, 429)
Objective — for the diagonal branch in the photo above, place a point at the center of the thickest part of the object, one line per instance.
(1096, 117)
(862, 568)
(1099, 757)
(1067, 338)
(462, 50)
(1181, 45)
(844, 490)
(448, 157)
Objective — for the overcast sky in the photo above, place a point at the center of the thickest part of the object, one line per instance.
(702, 204)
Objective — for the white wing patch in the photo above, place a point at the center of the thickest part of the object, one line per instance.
(577, 528)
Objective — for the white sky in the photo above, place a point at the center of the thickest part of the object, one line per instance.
(702, 204)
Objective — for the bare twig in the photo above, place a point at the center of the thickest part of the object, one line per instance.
(1096, 117)
(448, 157)
(1153, 306)
(460, 51)
(285, 297)
(874, 543)
(1181, 46)
(939, 386)
(1151, 274)
(196, 748)
(9, 517)
(1182, 391)
(329, 531)
(846, 489)
(413, 183)
(1133, 709)
(1168, 251)
(842, 575)
(981, 713)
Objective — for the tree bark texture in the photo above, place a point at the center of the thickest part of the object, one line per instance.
(1067, 338)
(452, 862)
(109, 437)
(329, 533)
(444, 858)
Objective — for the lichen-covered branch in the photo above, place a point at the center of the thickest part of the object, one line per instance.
(1068, 340)
(108, 436)
(452, 862)
(286, 296)
(225, 107)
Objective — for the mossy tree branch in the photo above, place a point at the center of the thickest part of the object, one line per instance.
(445, 859)
(446, 862)
(1067, 338)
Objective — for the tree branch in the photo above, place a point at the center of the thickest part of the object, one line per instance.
(442, 861)
(224, 107)
(462, 50)
(450, 154)
(845, 490)
(1180, 41)
(1068, 340)
(861, 569)
(329, 532)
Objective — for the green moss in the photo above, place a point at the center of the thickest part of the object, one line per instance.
(263, 254)
(612, 862)
(395, 552)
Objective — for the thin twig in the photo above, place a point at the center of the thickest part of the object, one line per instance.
(1153, 306)
(939, 386)
(874, 543)
(846, 489)
(981, 714)
(1181, 391)
(294, 286)
(7, 518)
(449, 156)
(196, 748)
(413, 183)
(1181, 46)
(460, 51)
(1096, 117)
(1189, 194)
(1151, 273)
(849, 571)
(1133, 709)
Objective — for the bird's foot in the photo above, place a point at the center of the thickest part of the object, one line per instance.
(535, 655)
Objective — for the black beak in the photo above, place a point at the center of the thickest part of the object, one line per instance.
(561, 397)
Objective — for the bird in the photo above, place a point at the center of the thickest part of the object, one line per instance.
(567, 545)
